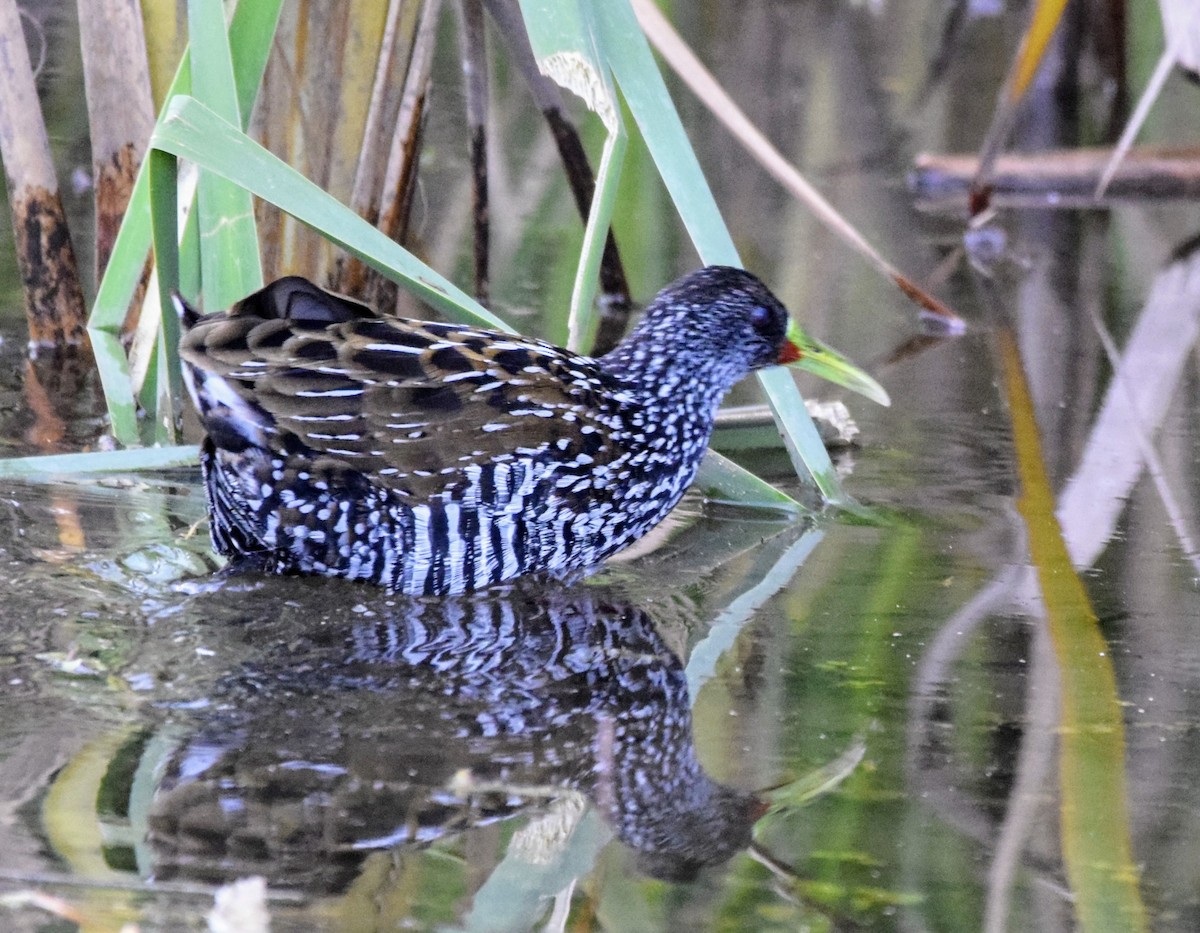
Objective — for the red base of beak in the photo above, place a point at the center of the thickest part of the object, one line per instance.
(789, 353)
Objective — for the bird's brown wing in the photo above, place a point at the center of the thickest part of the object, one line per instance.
(414, 404)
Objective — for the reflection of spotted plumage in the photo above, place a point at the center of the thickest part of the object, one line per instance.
(335, 739)
(434, 458)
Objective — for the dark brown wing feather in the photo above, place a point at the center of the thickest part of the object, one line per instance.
(412, 403)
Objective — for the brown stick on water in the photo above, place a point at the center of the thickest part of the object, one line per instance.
(53, 297)
(1062, 177)
(615, 303)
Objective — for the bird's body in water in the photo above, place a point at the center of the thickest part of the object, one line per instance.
(436, 458)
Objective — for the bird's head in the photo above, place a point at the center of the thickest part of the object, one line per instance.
(741, 323)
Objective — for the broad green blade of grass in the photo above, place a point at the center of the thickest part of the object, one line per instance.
(722, 480)
(164, 198)
(250, 33)
(563, 38)
(570, 45)
(212, 60)
(646, 95)
(1094, 809)
(582, 324)
(229, 264)
(192, 131)
(799, 433)
(56, 466)
(113, 368)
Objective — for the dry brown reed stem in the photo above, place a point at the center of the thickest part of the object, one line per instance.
(395, 47)
(351, 276)
(120, 108)
(400, 177)
(53, 297)
(164, 25)
(473, 44)
(313, 112)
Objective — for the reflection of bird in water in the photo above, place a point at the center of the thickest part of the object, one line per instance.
(341, 743)
(435, 458)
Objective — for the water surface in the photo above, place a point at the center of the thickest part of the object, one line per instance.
(605, 748)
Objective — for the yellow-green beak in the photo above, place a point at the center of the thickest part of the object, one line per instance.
(812, 356)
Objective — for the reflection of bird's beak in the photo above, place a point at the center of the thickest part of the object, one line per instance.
(812, 356)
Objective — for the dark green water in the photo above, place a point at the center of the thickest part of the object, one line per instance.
(489, 764)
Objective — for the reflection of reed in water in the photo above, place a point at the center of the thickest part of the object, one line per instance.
(336, 745)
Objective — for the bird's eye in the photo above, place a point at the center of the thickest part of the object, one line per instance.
(759, 316)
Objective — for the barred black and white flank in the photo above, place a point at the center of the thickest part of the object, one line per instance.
(433, 458)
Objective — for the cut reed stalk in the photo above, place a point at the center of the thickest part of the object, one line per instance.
(49, 274)
(120, 109)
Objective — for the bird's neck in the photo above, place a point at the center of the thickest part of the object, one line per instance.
(670, 371)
